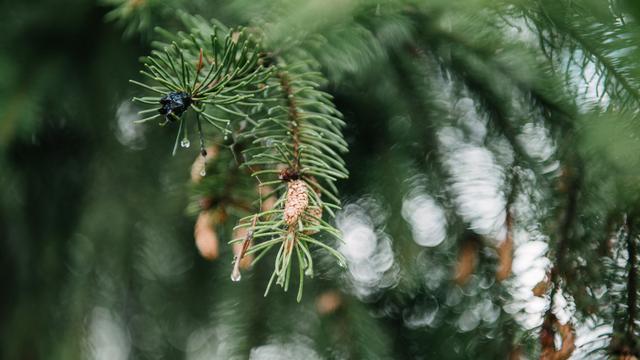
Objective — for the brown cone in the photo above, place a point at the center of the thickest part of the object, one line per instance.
(297, 201)
(206, 236)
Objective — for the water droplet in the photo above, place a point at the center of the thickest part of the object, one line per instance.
(235, 275)
(203, 172)
(309, 272)
(227, 131)
(185, 143)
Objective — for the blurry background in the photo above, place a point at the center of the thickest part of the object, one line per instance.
(480, 133)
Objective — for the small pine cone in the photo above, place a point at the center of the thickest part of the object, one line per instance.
(328, 302)
(315, 212)
(241, 233)
(206, 236)
(297, 201)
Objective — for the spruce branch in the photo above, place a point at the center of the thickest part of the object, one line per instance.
(576, 38)
(213, 70)
(289, 132)
(297, 147)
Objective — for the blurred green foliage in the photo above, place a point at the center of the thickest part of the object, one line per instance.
(458, 111)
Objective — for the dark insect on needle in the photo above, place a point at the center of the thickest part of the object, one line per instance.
(175, 103)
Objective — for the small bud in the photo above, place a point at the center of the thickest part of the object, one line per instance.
(206, 236)
(328, 302)
(288, 174)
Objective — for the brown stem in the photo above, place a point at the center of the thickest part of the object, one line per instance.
(293, 116)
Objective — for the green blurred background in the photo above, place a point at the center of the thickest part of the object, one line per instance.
(449, 108)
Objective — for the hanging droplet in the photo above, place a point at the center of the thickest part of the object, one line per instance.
(309, 272)
(185, 143)
(226, 131)
(203, 171)
(235, 275)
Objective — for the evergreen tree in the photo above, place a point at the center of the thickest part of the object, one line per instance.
(331, 179)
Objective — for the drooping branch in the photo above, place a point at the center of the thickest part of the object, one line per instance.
(588, 38)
